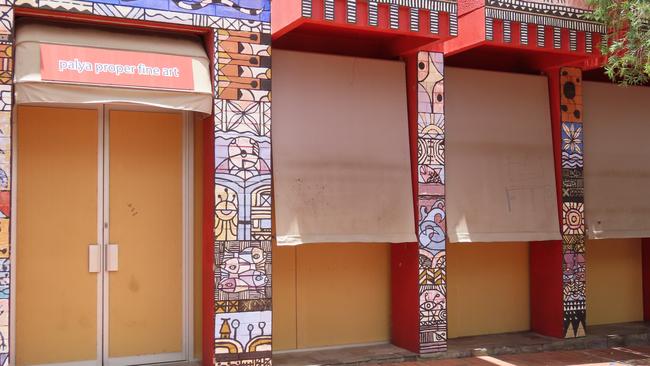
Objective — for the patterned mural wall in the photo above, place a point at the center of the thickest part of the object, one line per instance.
(242, 102)
(573, 213)
(6, 93)
(243, 198)
(431, 202)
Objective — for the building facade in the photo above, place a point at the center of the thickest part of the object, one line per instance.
(146, 126)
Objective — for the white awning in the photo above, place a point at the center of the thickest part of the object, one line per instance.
(31, 88)
(617, 171)
(499, 158)
(341, 162)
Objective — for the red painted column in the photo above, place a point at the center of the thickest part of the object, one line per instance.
(418, 270)
(557, 268)
(208, 243)
(645, 262)
(207, 231)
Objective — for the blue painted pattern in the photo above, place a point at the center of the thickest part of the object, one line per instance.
(258, 10)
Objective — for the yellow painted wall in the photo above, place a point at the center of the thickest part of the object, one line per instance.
(487, 288)
(614, 281)
(331, 294)
(284, 298)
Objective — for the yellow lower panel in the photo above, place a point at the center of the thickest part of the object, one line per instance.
(284, 298)
(342, 294)
(56, 296)
(614, 281)
(487, 288)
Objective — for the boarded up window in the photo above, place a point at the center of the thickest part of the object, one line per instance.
(340, 150)
(499, 169)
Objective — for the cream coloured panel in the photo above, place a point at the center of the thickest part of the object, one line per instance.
(617, 173)
(341, 160)
(499, 158)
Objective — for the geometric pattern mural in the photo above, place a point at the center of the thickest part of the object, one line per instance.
(6, 93)
(573, 211)
(536, 17)
(431, 203)
(242, 225)
(352, 12)
(242, 118)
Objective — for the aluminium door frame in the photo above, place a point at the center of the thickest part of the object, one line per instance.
(102, 210)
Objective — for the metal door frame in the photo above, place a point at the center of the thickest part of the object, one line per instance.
(185, 356)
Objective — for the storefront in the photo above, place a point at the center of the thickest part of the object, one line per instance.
(427, 179)
(104, 139)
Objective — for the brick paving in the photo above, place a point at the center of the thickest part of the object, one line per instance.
(590, 357)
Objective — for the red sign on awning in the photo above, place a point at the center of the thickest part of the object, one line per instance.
(114, 67)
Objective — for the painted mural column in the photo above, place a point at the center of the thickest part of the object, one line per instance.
(558, 270)
(431, 202)
(418, 270)
(6, 100)
(573, 212)
(242, 194)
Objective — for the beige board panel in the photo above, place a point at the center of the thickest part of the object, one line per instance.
(614, 281)
(56, 296)
(487, 288)
(145, 294)
(616, 171)
(503, 141)
(343, 294)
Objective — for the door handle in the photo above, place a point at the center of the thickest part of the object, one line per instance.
(94, 259)
(112, 258)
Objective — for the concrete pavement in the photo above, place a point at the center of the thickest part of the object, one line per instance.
(589, 357)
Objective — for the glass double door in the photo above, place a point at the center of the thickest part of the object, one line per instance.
(99, 237)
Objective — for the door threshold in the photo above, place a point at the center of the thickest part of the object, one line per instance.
(177, 363)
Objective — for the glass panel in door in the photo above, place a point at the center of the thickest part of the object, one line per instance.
(56, 295)
(145, 292)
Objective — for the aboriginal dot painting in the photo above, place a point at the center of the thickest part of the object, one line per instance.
(573, 212)
(242, 119)
(431, 203)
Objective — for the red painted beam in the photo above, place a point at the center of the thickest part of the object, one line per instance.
(473, 31)
(314, 33)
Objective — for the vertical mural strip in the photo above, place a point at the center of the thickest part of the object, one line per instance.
(573, 217)
(242, 222)
(431, 202)
(242, 110)
(6, 97)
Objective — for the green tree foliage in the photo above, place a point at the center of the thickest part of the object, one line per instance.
(628, 50)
